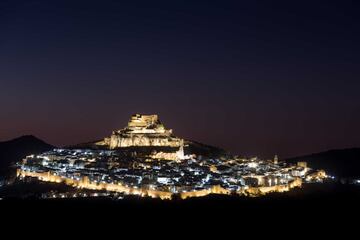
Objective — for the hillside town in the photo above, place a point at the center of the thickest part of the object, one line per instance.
(146, 159)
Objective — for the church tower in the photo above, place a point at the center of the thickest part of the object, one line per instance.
(276, 159)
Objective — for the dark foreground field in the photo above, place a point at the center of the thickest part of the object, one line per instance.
(315, 210)
(313, 201)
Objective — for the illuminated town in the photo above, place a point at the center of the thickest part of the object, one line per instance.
(146, 159)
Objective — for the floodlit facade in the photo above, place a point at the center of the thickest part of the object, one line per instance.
(142, 130)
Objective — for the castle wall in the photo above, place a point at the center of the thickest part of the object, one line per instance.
(262, 190)
(117, 141)
(87, 184)
(201, 193)
(142, 130)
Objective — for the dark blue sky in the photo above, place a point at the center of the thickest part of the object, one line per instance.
(254, 77)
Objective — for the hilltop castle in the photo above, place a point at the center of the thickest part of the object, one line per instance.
(146, 131)
(143, 130)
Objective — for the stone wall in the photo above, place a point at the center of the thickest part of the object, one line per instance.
(117, 141)
(144, 192)
(258, 191)
(139, 120)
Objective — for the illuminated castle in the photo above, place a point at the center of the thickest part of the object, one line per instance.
(142, 130)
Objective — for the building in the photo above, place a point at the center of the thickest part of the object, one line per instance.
(142, 131)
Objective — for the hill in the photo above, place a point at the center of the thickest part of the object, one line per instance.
(191, 147)
(14, 150)
(341, 162)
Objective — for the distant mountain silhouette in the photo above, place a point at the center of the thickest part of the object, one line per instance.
(14, 150)
(341, 162)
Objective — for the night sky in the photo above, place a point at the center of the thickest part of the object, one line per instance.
(254, 77)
